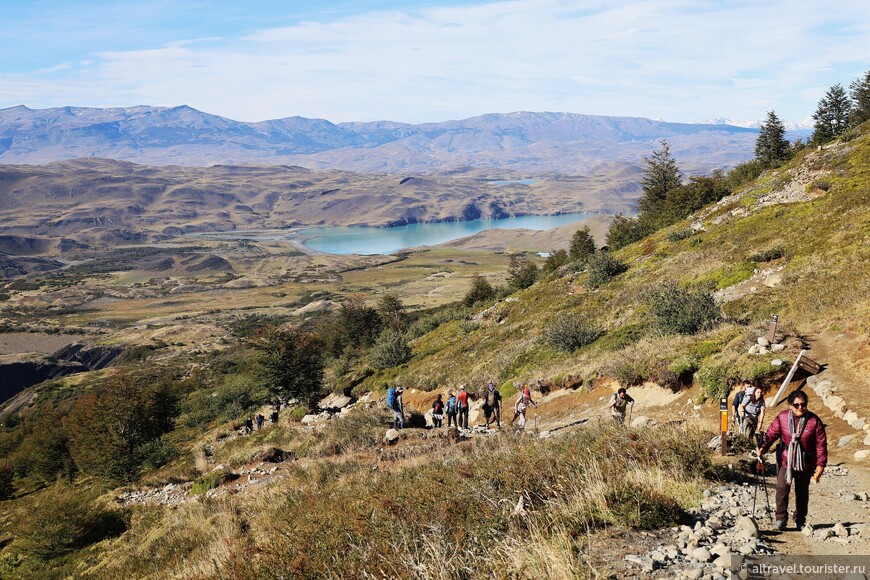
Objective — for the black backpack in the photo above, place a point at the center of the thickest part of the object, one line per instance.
(738, 399)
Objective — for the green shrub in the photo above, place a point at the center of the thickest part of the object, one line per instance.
(679, 235)
(468, 325)
(157, 453)
(679, 311)
(715, 379)
(582, 245)
(603, 267)
(622, 336)
(568, 333)
(390, 350)
(433, 320)
(211, 481)
(554, 261)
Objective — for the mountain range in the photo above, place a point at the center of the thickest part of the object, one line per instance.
(565, 143)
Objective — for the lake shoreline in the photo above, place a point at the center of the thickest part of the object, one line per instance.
(367, 240)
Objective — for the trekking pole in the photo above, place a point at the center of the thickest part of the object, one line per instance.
(630, 411)
(767, 509)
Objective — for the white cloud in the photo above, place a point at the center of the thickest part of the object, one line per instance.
(678, 60)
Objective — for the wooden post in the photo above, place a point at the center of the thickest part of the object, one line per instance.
(775, 401)
(723, 415)
(771, 334)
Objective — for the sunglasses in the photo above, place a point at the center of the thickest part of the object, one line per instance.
(799, 405)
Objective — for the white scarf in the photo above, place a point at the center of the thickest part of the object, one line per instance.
(795, 457)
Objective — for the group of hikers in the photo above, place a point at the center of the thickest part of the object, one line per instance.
(457, 407)
(801, 451)
(801, 454)
(259, 419)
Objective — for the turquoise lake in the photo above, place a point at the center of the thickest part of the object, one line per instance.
(367, 240)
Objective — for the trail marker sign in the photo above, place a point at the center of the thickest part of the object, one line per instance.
(771, 334)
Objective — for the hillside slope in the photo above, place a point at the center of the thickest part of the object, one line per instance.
(794, 243)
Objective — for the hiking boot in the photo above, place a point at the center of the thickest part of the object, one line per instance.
(780, 526)
(800, 525)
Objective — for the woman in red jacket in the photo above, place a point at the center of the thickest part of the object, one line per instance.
(801, 455)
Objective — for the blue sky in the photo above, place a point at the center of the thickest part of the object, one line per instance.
(431, 60)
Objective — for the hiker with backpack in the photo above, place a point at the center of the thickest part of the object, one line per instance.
(618, 405)
(751, 412)
(801, 455)
(738, 400)
(249, 425)
(462, 400)
(451, 410)
(492, 405)
(394, 404)
(259, 419)
(437, 412)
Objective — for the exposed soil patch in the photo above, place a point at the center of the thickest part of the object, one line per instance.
(35, 342)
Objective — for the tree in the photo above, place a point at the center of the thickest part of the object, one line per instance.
(582, 245)
(390, 350)
(660, 177)
(832, 115)
(481, 291)
(522, 272)
(108, 431)
(44, 454)
(771, 147)
(554, 261)
(692, 196)
(355, 326)
(623, 231)
(292, 365)
(859, 90)
(392, 312)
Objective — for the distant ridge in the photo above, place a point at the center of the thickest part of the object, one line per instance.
(564, 143)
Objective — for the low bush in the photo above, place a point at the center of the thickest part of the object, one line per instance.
(679, 311)
(679, 235)
(210, 481)
(569, 332)
(716, 377)
(603, 267)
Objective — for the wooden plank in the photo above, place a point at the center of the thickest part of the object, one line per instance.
(775, 400)
(771, 334)
(810, 366)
